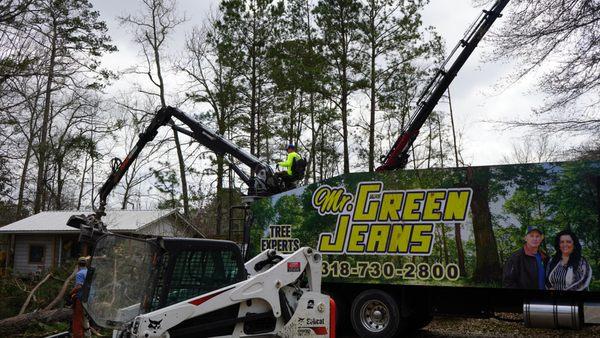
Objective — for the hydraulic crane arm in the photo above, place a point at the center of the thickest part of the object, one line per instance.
(263, 183)
(397, 157)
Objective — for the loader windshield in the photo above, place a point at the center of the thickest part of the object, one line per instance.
(122, 274)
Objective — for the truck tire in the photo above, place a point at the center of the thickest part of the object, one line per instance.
(375, 314)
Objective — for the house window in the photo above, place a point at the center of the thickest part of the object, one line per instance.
(36, 253)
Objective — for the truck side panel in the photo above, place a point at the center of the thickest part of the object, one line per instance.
(464, 227)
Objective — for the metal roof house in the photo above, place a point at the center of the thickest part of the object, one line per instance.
(44, 240)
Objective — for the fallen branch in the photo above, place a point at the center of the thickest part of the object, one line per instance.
(32, 292)
(20, 322)
(18, 284)
(62, 292)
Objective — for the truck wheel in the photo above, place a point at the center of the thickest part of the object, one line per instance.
(375, 314)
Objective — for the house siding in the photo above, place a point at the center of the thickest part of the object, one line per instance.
(21, 256)
(164, 227)
(168, 227)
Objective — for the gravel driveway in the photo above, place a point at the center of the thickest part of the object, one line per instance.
(468, 327)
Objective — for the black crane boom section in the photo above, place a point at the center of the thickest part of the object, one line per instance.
(202, 135)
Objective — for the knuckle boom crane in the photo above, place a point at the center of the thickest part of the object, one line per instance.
(263, 183)
(397, 157)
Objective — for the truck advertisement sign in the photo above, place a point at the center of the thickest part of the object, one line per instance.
(531, 226)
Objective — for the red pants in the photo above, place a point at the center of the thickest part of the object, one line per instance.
(77, 328)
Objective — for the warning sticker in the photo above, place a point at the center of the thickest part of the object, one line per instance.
(293, 266)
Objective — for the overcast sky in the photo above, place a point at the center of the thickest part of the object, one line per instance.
(475, 94)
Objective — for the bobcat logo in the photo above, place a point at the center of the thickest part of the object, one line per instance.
(154, 324)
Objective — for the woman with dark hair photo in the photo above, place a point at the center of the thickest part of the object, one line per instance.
(567, 269)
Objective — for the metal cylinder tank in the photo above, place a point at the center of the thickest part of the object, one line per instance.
(552, 314)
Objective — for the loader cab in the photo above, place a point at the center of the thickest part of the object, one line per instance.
(130, 276)
(191, 267)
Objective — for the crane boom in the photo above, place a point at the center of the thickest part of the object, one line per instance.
(397, 157)
(263, 183)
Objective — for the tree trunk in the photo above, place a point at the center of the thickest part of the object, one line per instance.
(82, 182)
(23, 178)
(258, 122)
(20, 322)
(184, 190)
(40, 182)
(59, 185)
(344, 104)
(441, 143)
(313, 140)
(125, 196)
(429, 146)
(62, 292)
(453, 129)
(444, 243)
(322, 157)
(253, 86)
(373, 90)
(487, 268)
(219, 211)
(460, 252)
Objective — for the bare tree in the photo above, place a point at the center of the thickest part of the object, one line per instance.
(74, 39)
(157, 22)
(214, 83)
(139, 171)
(559, 40)
(533, 149)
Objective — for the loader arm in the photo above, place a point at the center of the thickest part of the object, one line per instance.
(270, 292)
(398, 155)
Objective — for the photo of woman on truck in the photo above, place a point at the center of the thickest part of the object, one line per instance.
(568, 269)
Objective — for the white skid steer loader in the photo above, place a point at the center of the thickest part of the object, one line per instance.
(174, 287)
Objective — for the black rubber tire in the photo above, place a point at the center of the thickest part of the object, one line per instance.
(394, 325)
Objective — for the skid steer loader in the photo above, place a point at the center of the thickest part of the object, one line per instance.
(174, 287)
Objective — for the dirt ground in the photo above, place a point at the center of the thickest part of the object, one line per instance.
(461, 327)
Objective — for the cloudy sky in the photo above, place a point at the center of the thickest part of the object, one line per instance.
(477, 93)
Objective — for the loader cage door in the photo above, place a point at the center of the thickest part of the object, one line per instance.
(119, 279)
(192, 267)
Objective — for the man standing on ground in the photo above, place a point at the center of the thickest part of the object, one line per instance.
(525, 269)
(79, 327)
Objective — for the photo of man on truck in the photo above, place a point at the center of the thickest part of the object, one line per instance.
(526, 268)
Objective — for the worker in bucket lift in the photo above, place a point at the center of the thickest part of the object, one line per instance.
(79, 325)
(287, 176)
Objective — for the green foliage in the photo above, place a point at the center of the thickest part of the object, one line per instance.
(263, 215)
(167, 183)
(14, 290)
